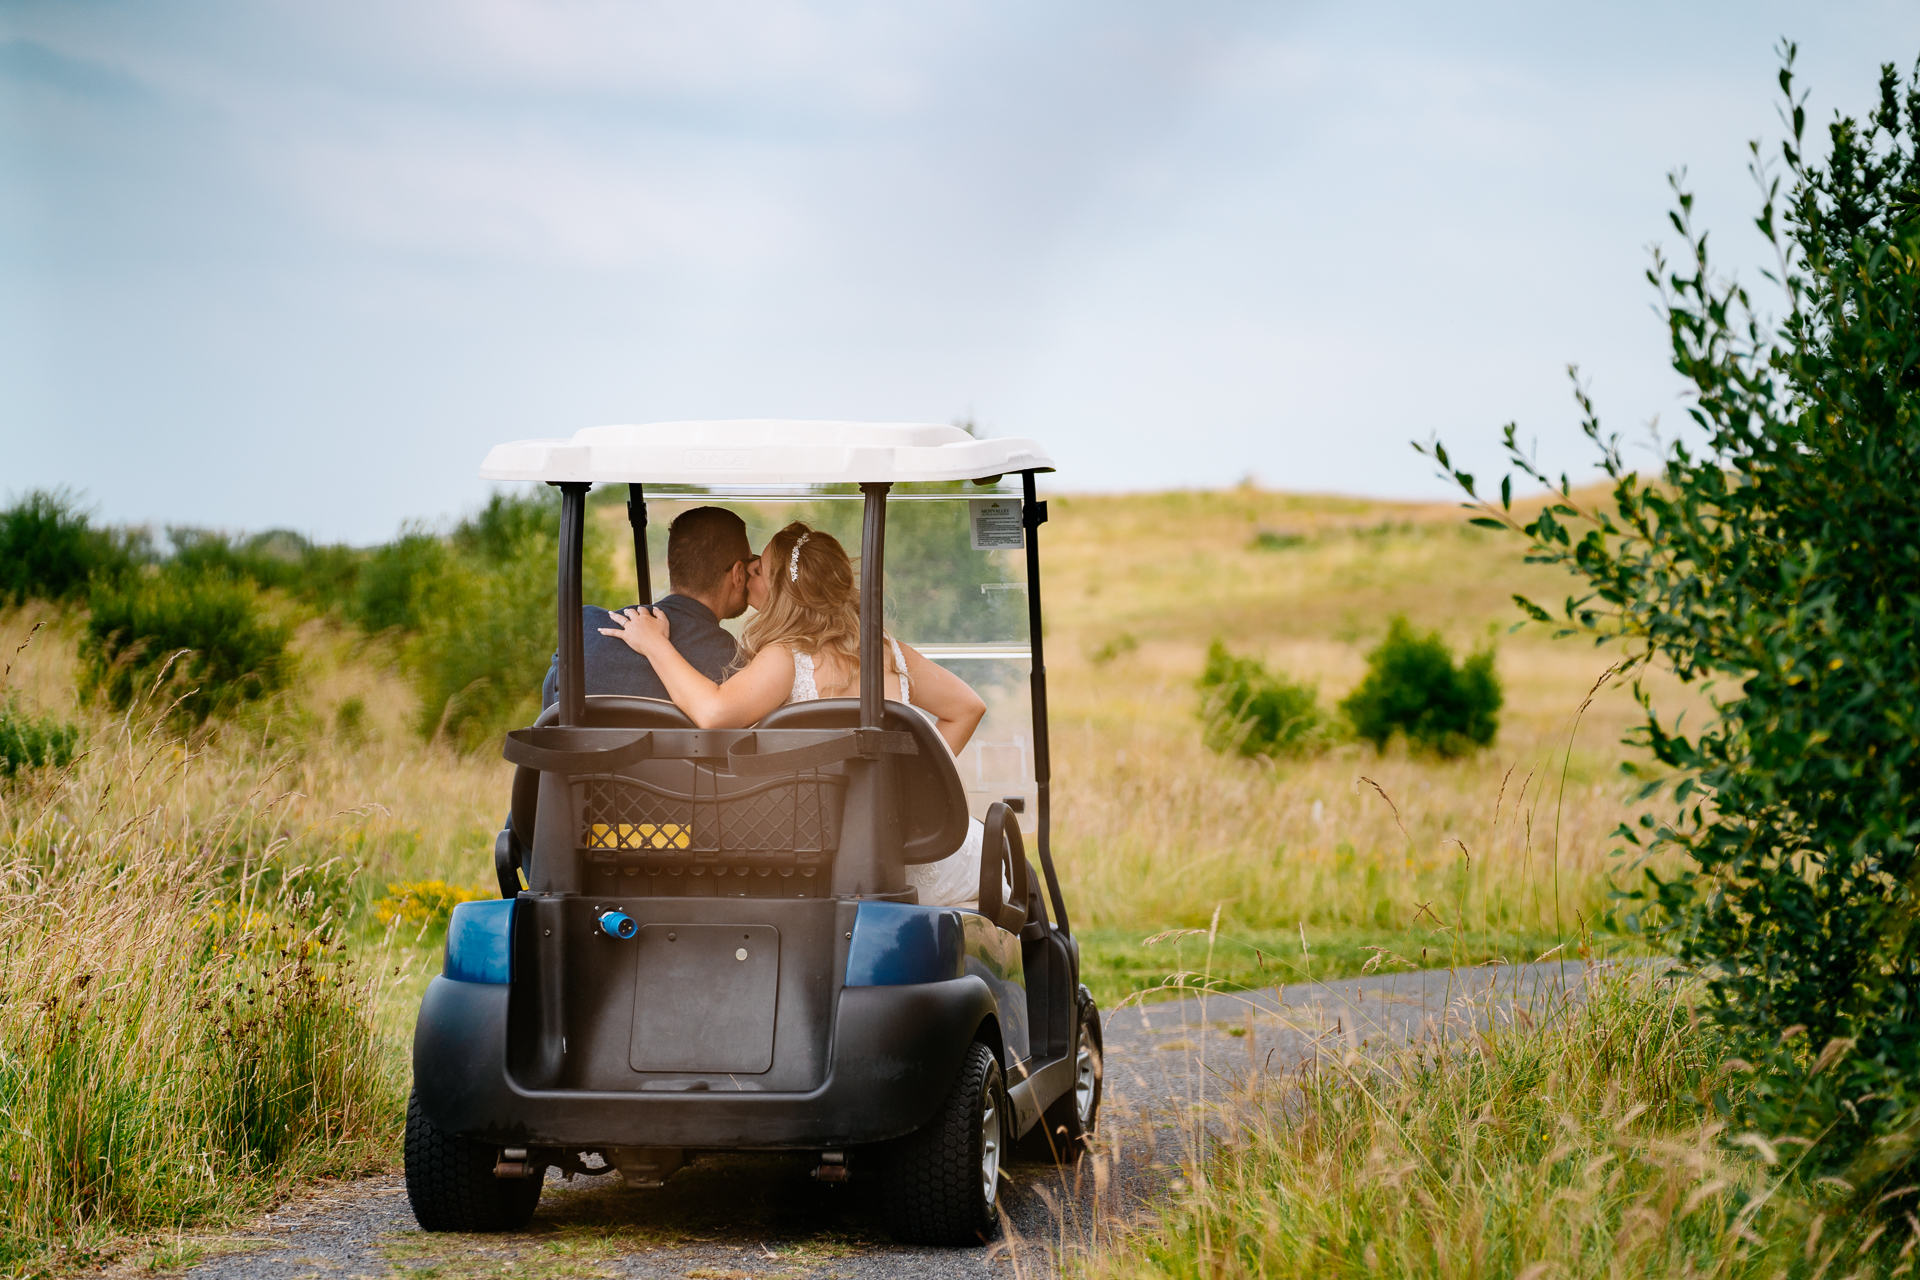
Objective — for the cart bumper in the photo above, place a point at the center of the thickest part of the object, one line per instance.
(896, 1050)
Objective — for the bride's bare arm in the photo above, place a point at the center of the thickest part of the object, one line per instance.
(948, 698)
(748, 694)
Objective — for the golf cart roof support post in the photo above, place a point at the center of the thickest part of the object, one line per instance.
(572, 638)
(637, 517)
(1033, 514)
(873, 564)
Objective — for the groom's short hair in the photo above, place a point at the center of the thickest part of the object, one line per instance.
(702, 544)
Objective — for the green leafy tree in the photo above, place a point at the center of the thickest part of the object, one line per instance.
(1414, 687)
(1775, 559)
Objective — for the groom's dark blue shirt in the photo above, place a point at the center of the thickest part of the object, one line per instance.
(612, 667)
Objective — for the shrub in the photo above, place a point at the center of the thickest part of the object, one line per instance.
(1277, 539)
(1118, 646)
(27, 742)
(137, 632)
(1255, 712)
(485, 617)
(320, 575)
(499, 532)
(330, 574)
(1777, 559)
(1413, 686)
(350, 720)
(485, 640)
(391, 584)
(270, 559)
(49, 551)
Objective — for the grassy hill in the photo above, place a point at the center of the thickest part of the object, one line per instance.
(1502, 853)
(1309, 861)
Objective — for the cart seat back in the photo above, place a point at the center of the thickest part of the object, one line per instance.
(604, 711)
(685, 825)
(932, 801)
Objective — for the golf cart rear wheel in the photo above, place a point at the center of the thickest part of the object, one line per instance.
(945, 1179)
(451, 1184)
(1066, 1127)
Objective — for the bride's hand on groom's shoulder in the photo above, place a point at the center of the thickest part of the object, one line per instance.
(638, 626)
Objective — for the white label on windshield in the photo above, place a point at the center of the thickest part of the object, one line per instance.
(996, 524)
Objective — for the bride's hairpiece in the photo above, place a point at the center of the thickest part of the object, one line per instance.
(793, 561)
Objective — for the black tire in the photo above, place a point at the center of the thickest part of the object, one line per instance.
(450, 1181)
(1066, 1128)
(944, 1181)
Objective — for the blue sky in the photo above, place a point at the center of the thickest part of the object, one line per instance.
(298, 264)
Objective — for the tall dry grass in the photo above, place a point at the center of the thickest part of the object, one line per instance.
(1316, 861)
(188, 1015)
(156, 876)
(1157, 831)
(1570, 1144)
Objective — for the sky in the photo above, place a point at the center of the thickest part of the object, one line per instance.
(278, 264)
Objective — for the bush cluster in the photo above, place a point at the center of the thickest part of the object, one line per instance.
(325, 576)
(1413, 687)
(196, 644)
(484, 613)
(50, 551)
(191, 627)
(1255, 712)
(33, 742)
(393, 581)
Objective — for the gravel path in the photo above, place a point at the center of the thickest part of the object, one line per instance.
(739, 1217)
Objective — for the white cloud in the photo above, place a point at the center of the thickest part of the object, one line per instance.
(1287, 237)
(534, 197)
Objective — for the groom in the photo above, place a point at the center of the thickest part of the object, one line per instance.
(707, 555)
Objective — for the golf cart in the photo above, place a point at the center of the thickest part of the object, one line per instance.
(706, 940)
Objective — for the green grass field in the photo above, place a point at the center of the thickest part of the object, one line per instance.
(213, 947)
(1313, 862)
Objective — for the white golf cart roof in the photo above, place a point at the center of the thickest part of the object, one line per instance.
(764, 451)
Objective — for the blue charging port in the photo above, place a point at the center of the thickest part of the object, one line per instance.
(618, 924)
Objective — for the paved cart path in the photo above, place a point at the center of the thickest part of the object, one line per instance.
(730, 1218)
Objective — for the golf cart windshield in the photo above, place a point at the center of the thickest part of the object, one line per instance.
(956, 590)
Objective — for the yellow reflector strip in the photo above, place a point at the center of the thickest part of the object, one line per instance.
(645, 835)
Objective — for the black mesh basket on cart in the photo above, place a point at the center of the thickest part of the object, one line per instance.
(711, 822)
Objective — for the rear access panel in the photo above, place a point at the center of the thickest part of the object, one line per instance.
(704, 997)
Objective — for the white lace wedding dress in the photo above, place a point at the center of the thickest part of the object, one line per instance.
(954, 881)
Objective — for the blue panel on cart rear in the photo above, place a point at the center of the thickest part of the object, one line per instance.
(897, 943)
(480, 941)
(994, 954)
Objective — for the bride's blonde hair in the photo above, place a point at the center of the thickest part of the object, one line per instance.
(813, 599)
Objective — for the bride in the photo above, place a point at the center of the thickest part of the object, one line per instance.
(804, 643)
